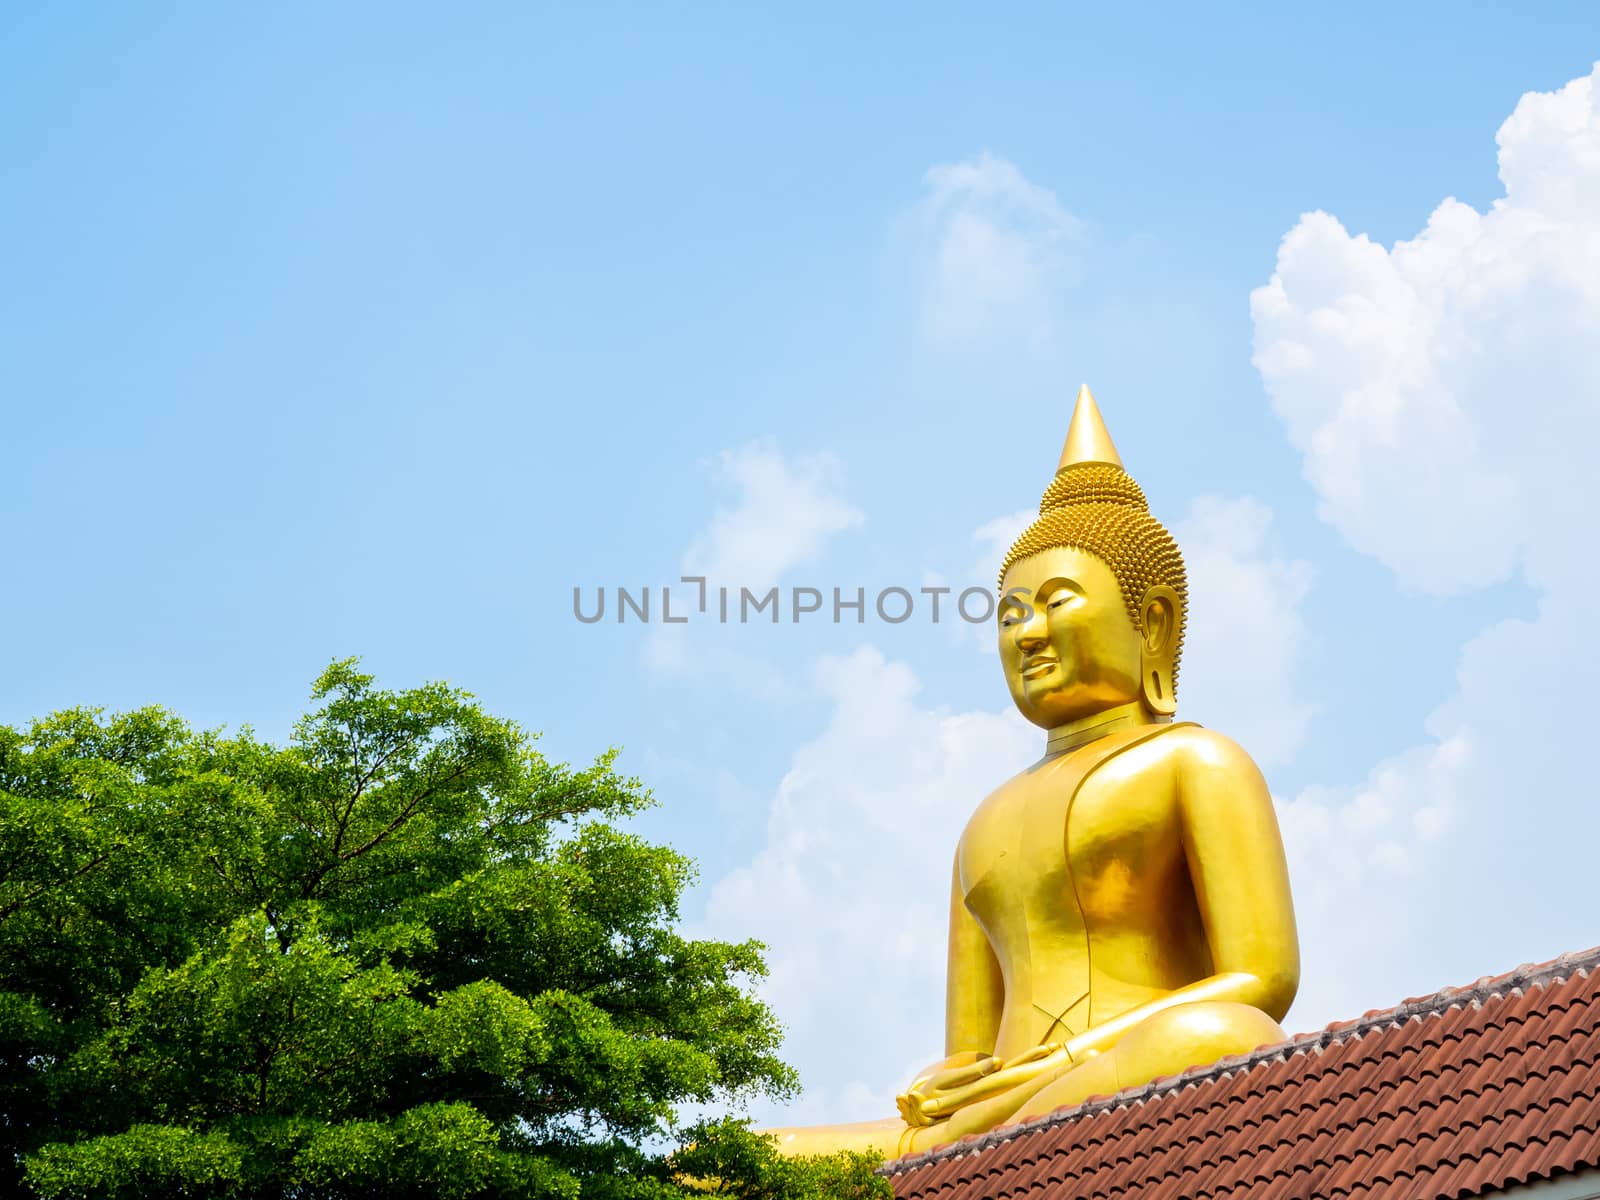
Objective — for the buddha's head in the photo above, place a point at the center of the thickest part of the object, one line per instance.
(1093, 593)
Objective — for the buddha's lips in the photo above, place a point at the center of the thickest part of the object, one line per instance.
(1035, 667)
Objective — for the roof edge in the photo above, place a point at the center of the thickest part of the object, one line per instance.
(1528, 975)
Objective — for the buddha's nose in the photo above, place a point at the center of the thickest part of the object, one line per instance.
(1032, 634)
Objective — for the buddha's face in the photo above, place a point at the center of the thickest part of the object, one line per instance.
(1077, 652)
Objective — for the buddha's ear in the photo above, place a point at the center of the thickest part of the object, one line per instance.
(1160, 613)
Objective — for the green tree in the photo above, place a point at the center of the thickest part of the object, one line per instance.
(404, 955)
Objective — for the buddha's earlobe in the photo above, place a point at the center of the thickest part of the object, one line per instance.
(1159, 615)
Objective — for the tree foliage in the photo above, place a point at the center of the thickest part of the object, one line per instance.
(403, 955)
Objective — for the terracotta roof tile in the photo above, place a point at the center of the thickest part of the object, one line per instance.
(1448, 1095)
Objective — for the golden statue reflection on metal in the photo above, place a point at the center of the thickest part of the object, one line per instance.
(1120, 909)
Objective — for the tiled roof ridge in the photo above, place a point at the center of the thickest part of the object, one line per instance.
(1349, 1152)
(1488, 987)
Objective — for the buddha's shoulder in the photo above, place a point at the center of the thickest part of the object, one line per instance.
(1194, 746)
(1016, 791)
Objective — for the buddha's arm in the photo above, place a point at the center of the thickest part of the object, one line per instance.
(975, 993)
(1240, 878)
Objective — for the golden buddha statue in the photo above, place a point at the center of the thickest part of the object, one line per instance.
(1120, 909)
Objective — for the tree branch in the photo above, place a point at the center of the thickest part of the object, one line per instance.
(11, 908)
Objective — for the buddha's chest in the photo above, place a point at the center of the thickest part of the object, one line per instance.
(1070, 844)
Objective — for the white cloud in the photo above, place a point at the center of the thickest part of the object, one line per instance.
(1360, 859)
(786, 510)
(994, 539)
(995, 247)
(1243, 651)
(1445, 394)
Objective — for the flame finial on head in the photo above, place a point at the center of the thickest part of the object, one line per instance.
(1088, 441)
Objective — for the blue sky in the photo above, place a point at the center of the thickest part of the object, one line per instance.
(378, 330)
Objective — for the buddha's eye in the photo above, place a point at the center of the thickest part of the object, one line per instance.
(1011, 618)
(1058, 601)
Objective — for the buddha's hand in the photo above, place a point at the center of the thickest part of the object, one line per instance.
(935, 1095)
(933, 1084)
